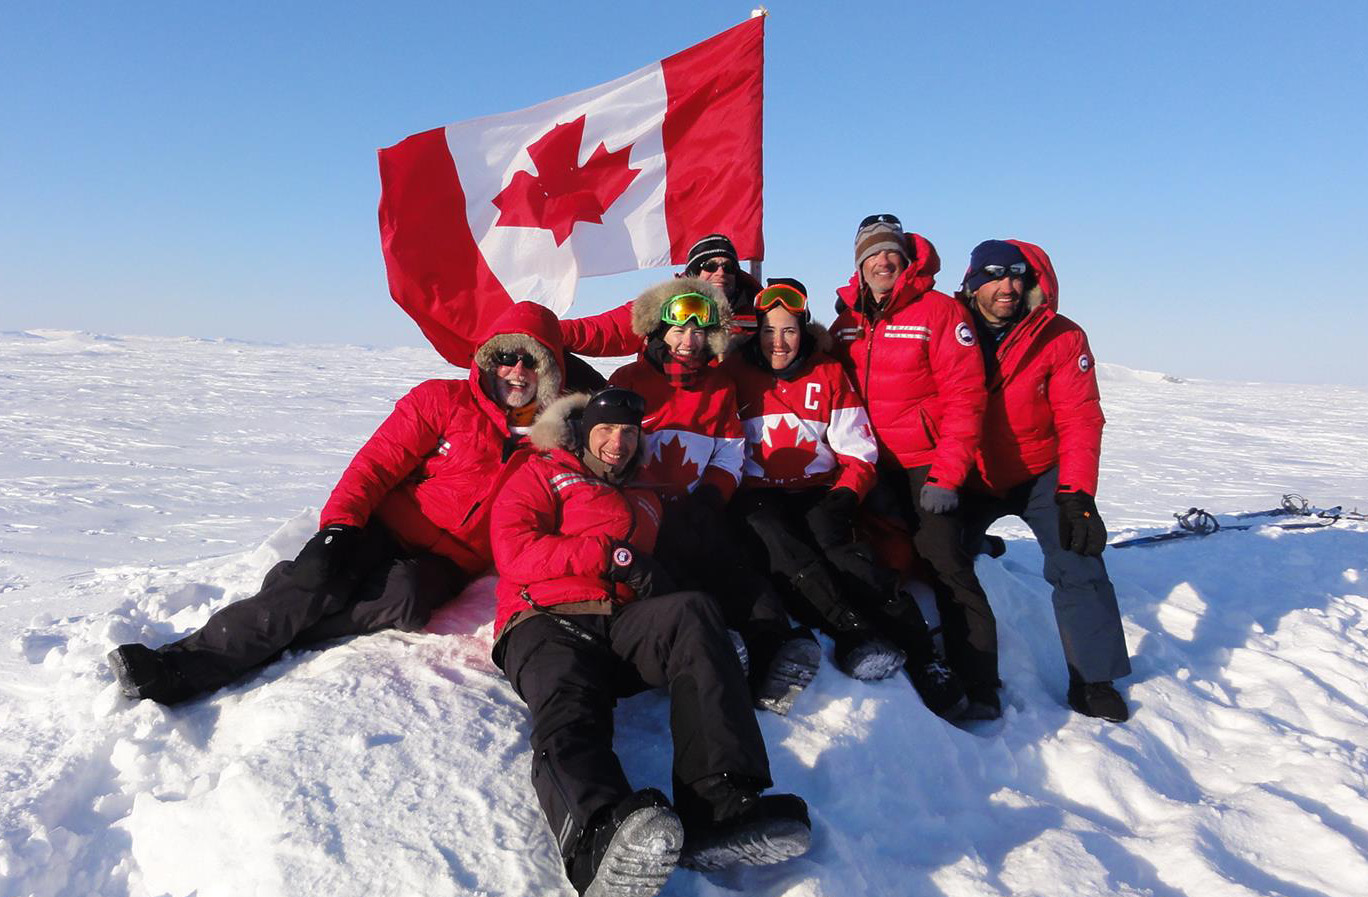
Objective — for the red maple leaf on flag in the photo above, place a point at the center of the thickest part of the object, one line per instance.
(782, 454)
(670, 470)
(563, 192)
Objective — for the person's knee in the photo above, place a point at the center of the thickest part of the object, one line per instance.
(1066, 570)
(280, 572)
(695, 609)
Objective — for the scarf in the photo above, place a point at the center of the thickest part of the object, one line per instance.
(523, 417)
(679, 373)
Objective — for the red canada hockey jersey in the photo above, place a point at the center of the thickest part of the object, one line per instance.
(810, 430)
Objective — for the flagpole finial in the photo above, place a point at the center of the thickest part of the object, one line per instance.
(758, 12)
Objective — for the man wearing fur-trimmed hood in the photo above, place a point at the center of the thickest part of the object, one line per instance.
(406, 527)
(1038, 458)
(572, 545)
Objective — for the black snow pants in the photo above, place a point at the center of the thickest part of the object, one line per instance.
(382, 587)
(698, 550)
(968, 626)
(571, 676)
(839, 589)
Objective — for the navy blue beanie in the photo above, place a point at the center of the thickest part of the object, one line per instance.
(989, 252)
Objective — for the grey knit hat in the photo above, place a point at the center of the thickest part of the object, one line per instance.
(878, 236)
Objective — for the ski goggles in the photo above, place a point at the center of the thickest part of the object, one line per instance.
(781, 294)
(511, 359)
(881, 218)
(679, 310)
(997, 272)
(612, 400)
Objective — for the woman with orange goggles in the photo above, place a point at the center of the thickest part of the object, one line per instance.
(810, 459)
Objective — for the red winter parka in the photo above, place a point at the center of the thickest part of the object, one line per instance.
(805, 430)
(916, 364)
(430, 469)
(1043, 403)
(555, 522)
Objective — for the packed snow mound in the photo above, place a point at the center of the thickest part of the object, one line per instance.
(1115, 373)
(397, 764)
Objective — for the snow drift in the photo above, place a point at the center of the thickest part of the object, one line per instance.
(146, 482)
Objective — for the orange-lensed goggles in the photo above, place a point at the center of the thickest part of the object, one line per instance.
(781, 294)
(679, 310)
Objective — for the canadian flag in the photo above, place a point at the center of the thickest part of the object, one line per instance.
(622, 176)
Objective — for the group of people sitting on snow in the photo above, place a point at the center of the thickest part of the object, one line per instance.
(750, 476)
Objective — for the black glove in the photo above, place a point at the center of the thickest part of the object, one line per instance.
(832, 520)
(938, 499)
(637, 570)
(1080, 526)
(326, 554)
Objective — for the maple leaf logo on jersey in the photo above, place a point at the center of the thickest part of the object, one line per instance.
(669, 468)
(563, 192)
(781, 452)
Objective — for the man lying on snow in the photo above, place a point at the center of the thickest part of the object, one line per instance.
(1042, 437)
(585, 616)
(404, 530)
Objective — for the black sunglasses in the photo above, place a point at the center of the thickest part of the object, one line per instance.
(712, 265)
(511, 359)
(1015, 269)
(882, 218)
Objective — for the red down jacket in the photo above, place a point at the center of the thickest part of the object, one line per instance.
(1043, 403)
(916, 364)
(810, 430)
(430, 469)
(552, 530)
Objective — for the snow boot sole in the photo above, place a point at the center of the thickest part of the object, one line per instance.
(640, 857)
(761, 841)
(793, 668)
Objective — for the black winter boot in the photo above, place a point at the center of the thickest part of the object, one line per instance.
(782, 664)
(728, 823)
(1098, 699)
(145, 673)
(940, 689)
(861, 655)
(984, 702)
(631, 852)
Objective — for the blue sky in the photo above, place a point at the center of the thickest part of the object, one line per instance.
(1196, 170)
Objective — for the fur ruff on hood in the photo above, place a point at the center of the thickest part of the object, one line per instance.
(646, 310)
(553, 429)
(821, 337)
(548, 367)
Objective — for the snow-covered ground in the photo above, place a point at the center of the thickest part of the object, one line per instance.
(146, 482)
